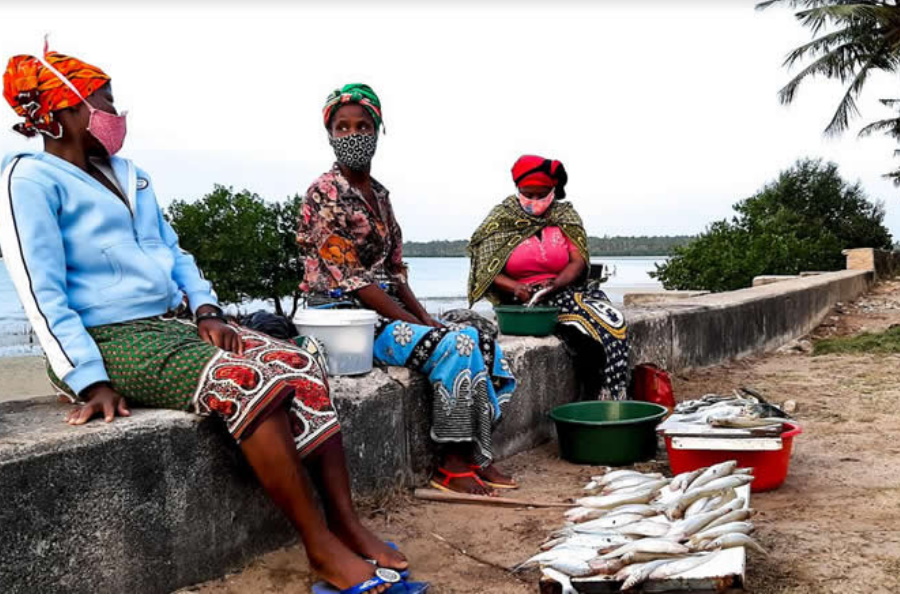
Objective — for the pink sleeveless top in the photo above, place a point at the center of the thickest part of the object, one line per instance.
(539, 259)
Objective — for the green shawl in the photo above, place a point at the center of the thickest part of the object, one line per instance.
(503, 230)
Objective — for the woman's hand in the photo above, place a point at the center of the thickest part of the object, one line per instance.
(221, 335)
(522, 292)
(101, 398)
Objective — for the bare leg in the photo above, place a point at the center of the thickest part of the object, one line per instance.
(271, 452)
(328, 469)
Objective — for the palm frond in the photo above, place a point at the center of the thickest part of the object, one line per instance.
(847, 105)
(889, 127)
(837, 63)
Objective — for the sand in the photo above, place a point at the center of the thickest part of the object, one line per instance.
(831, 528)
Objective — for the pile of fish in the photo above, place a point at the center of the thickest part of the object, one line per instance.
(637, 527)
(747, 410)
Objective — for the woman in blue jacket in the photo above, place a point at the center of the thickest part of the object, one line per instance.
(100, 275)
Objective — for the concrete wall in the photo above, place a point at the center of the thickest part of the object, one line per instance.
(884, 263)
(162, 500)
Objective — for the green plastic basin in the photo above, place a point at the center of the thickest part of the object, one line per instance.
(538, 321)
(607, 433)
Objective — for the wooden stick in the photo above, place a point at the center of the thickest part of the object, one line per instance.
(458, 498)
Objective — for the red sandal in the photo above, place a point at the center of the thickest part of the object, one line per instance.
(496, 486)
(448, 475)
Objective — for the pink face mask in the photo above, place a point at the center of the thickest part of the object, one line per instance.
(107, 128)
(537, 206)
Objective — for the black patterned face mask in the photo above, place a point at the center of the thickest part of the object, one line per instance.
(355, 150)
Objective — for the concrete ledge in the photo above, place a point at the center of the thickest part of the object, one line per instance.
(656, 298)
(162, 500)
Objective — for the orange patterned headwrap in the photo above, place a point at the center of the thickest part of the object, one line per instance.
(34, 91)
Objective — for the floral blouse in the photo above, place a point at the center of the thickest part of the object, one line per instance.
(346, 244)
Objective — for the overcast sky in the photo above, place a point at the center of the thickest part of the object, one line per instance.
(664, 113)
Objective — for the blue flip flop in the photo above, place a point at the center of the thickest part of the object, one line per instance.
(382, 576)
(404, 574)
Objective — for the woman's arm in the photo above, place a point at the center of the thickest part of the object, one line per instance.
(408, 298)
(376, 299)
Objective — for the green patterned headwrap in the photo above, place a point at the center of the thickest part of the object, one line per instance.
(353, 93)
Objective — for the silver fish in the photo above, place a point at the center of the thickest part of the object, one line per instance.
(733, 540)
(645, 529)
(642, 557)
(713, 488)
(641, 573)
(652, 545)
(645, 510)
(581, 513)
(564, 580)
(585, 540)
(743, 471)
(713, 472)
(681, 481)
(613, 475)
(606, 566)
(629, 482)
(683, 565)
(614, 500)
(717, 501)
(697, 507)
(675, 510)
(571, 567)
(740, 514)
(720, 530)
(569, 554)
(685, 528)
(607, 522)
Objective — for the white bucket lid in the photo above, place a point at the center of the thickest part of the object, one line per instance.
(326, 317)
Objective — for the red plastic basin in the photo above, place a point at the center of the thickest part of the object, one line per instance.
(770, 467)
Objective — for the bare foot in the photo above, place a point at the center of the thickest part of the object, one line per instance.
(339, 565)
(365, 543)
(492, 474)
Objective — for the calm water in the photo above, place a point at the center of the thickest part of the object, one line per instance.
(439, 282)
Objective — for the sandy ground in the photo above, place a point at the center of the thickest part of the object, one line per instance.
(23, 377)
(833, 526)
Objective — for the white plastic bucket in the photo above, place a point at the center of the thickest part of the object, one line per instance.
(347, 336)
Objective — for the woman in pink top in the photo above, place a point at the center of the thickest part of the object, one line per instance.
(532, 242)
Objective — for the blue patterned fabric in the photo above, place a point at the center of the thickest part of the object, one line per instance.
(470, 378)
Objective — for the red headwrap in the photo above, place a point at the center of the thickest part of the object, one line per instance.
(537, 170)
(34, 91)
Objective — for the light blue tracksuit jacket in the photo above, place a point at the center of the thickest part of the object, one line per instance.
(80, 257)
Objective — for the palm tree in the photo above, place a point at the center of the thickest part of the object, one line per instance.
(864, 38)
(890, 128)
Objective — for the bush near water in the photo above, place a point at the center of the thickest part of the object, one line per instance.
(799, 222)
(245, 245)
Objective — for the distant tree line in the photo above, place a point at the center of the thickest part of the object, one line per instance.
(658, 245)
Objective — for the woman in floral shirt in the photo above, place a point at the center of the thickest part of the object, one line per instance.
(353, 249)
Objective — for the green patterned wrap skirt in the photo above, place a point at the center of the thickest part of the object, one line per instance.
(163, 363)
